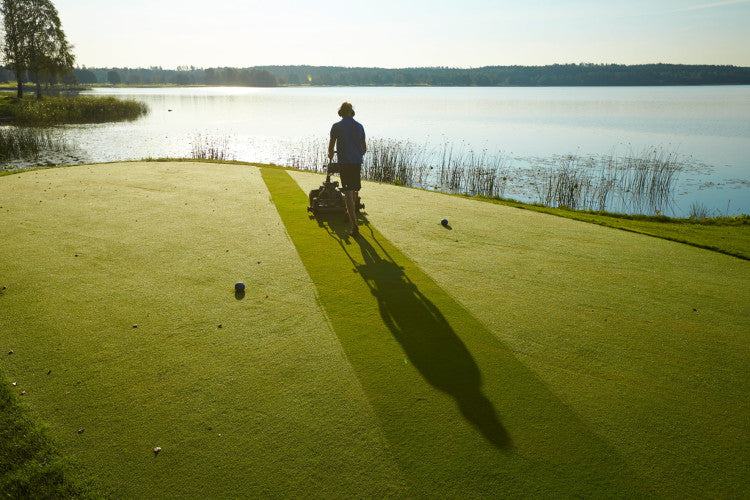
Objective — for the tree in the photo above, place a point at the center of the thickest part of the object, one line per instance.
(35, 41)
(262, 78)
(48, 50)
(15, 21)
(85, 76)
(114, 77)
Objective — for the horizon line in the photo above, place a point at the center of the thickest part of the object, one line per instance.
(194, 68)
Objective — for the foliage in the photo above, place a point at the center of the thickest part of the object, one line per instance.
(114, 77)
(23, 142)
(14, 48)
(553, 75)
(489, 76)
(35, 41)
(79, 109)
(48, 50)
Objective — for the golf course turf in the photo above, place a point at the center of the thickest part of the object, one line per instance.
(511, 354)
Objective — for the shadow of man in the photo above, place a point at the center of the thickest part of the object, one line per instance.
(429, 341)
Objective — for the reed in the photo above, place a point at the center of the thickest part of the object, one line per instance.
(53, 110)
(21, 143)
(642, 183)
(210, 148)
(698, 211)
(394, 162)
(634, 182)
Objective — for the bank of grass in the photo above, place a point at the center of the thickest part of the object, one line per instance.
(612, 365)
(31, 465)
(52, 110)
(728, 235)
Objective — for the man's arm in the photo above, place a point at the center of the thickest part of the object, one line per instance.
(331, 145)
(364, 147)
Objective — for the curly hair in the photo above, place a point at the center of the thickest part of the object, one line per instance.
(346, 109)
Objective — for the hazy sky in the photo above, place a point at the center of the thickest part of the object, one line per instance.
(405, 33)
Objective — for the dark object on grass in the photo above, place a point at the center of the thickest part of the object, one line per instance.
(80, 431)
(328, 197)
(444, 222)
(239, 287)
(10, 352)
(157, 450)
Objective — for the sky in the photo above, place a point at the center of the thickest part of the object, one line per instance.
(404, 33)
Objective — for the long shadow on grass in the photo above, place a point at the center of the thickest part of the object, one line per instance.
(429, 341)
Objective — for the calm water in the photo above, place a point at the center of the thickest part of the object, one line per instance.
(709, 127)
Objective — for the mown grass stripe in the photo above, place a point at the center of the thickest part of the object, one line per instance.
(462, 414)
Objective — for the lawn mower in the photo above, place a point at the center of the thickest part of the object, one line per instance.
(328, 197)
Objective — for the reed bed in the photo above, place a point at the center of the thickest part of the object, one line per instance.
(634, 182)
(19, 143)
(638, 183)
(53, 110)
(210, 148)
(407, 163)
(469, 172)
(395, 162)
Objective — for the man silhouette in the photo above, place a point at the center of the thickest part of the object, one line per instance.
(348, 140)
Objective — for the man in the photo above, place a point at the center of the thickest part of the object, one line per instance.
(348, 140)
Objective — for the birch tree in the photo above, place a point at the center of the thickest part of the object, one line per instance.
(35, 41)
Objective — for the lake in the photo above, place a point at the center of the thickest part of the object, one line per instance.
(708, 128)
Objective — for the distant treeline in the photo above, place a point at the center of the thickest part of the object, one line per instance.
(526, 76)
(489, 76)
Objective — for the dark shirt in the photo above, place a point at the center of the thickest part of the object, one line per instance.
(349, 135)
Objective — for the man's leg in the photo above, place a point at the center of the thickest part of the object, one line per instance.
(351, 209)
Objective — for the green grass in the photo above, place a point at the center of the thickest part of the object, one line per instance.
(729, 235)
(51, 110)
(516, 354)
(31, 466)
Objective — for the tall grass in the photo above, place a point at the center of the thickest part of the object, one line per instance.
(19, 143)
(61, 110)
(469, 172)
(640, 183)
(634, 182)
(410, 164)
(210, 148)
(394, 162)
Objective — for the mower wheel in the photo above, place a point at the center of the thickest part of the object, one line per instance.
(313, 196)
